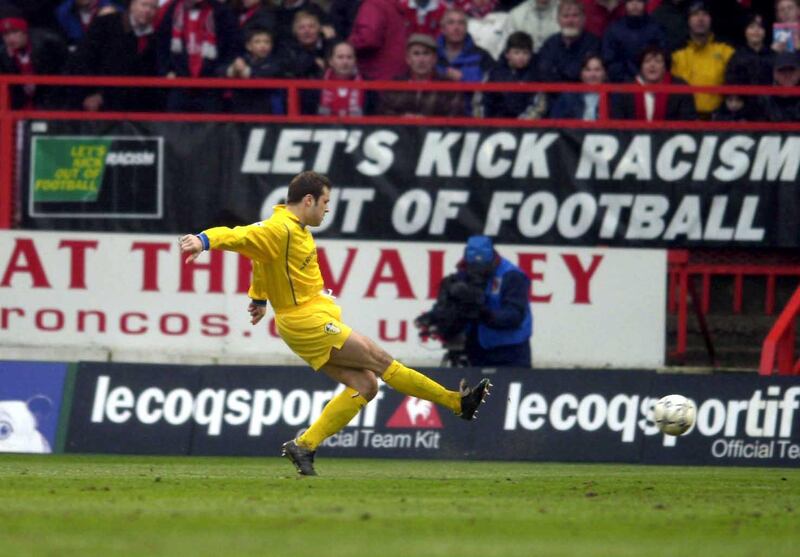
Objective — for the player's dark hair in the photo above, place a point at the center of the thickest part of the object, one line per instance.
(308, 182)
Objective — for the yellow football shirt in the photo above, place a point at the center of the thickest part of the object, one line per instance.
(285, 267)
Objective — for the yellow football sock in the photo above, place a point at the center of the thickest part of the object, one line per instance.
(336, 414)
(413, 383)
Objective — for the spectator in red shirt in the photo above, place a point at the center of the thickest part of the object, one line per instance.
(424, 16)
(601, 13)
(343, 101)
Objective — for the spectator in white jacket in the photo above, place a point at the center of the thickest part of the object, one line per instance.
(537, 18)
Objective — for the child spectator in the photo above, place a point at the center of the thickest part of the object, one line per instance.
(582, 106)
(752, 63)
(518, 65)
(259, 62)
(626, 38)
(75, 16)
(341, 101)
(30, 52)
(653, 107)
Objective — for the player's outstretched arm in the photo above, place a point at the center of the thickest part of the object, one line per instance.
(191, 246)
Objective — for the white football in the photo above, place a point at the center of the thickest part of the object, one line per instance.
(674, 414)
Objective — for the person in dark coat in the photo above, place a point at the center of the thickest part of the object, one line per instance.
(30, 52)
(784, 108)
(421, 60)
(582, 106)
(653, 70)
(626, 38)
(518, 65)
(120, 44)
(672, 16)
(196, 38)
(259, 62)
(76, 16)
(285, 16)
(254, 13)
(754, 60)
(563, 54)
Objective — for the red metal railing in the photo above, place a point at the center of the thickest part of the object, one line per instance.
(777, 353)
(9, 117)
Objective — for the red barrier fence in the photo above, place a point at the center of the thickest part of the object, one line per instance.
(9, 117)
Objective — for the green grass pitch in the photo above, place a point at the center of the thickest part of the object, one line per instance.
(105, 505)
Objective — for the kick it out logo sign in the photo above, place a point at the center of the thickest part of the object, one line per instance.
(112, 177)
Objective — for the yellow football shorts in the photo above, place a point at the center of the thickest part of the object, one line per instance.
(312, 329)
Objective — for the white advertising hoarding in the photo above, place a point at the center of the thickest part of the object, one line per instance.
(129, 297)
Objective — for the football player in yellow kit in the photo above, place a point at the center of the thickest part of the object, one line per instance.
(286, 273)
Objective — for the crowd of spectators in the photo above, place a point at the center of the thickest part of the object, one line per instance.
(644, 42)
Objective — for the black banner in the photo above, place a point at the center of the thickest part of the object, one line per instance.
(554, 415)
(533, 186)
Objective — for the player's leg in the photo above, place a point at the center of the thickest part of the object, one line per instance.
(361, 386)
(361, 352)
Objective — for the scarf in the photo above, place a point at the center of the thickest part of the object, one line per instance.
(660, 103)
(340, 101)
(195, 31)
(476, 11)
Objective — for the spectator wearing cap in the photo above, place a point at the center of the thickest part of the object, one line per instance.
(30, 52)
(196, 38)
(487, 27)
(421, 60)
(672, 16)
(625, 39)
(459, 58)
(120, 43)
(703, 60)
(424, 16)
(537, 18)
(518, 65)
(649, 106)
(751, 64)
(75, 16)
(379, 36)
(562, 55)
(786, 73)
(602, 13)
